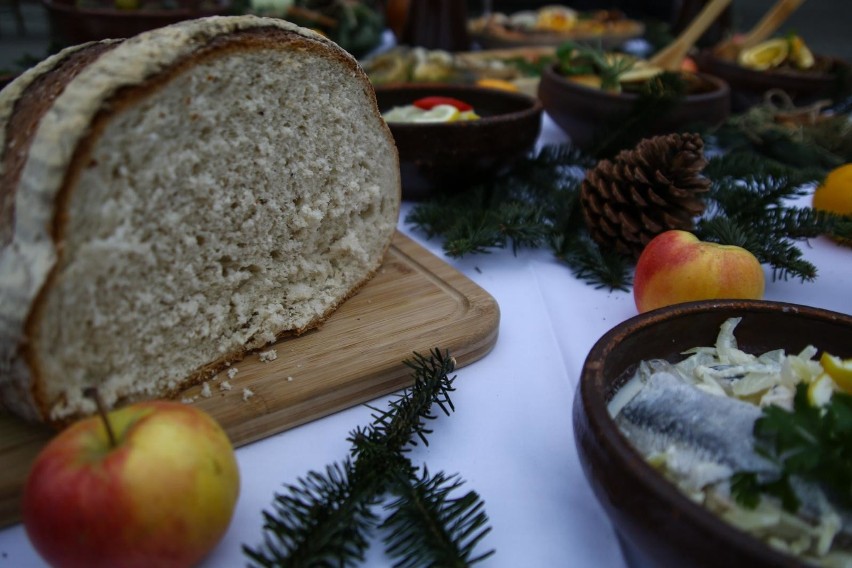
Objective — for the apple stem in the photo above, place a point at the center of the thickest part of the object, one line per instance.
(92, 392)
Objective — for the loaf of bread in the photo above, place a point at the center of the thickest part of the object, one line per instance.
(171, 201)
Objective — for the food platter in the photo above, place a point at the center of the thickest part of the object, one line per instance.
(602, 28)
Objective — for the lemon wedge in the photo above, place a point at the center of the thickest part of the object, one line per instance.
(556, 18)
(640, 74)
(840, 370)
(765, 55)
(439, 113)
(497, 84)
(402, 114)
(800, 54)
(820, 390)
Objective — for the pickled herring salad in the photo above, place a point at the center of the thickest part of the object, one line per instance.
(763, 441)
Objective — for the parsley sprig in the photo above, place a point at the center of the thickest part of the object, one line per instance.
(810, 442)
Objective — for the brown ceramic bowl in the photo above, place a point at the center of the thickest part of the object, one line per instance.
(650, 514)
(584, 112)
(448, 157)
(749, 87)
(72, 25)
(500, 37)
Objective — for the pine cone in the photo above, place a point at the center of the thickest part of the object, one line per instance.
(653, 188)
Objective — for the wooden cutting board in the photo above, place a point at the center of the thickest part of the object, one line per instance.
(416, 302)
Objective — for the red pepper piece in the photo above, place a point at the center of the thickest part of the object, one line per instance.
(428, 103)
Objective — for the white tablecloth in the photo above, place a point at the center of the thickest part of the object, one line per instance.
(511, 436)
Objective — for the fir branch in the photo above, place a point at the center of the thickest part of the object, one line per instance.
(429, 528)
(405, 419)
(784, 258)
(434, 218)
(824, 144)
(473, 236)
(325, 519)
(536, 206)
(749, 207)
(522, 224)
(587, 261)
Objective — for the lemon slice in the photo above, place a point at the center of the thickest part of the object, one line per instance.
(497, 84)
(800, 54)
(439, 113)
(765, 55)
(840, 370)
(640, 74)
(402, 114)
(556, 18)
(593, 81)
(820, 390)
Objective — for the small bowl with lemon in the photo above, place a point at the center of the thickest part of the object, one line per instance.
(453, 137)
(596, 96)
(779, 64)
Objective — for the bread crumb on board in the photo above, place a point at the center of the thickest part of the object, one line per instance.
(232, 372)
(205, 390)
(247, 394)
(266, 356)
(225, 386)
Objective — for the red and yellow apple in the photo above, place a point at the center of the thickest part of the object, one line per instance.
(675, 267)
(161, 496)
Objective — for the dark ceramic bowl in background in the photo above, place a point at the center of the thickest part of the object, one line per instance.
(584, 112)
(453, 156)
(650, 514)
(749, 87)
(71, 24)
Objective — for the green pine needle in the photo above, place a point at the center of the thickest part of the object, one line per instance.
(598, 268)
(428, 527)
(748, 204)
(325, 519)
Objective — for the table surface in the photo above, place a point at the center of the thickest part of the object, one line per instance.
(511, 437)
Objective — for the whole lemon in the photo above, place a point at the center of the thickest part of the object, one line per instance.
(835, 194)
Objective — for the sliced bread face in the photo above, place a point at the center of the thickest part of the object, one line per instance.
(194, 193)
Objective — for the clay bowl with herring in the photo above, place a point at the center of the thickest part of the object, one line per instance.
(585, 113)
(438, 157)
(654, 519)
(749, 87)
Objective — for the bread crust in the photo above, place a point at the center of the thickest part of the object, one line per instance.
(61, 148)
(22, 105)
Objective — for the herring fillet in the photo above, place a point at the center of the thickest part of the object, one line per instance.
(670, 416)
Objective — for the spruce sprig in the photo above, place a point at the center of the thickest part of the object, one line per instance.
(587, 261)
(327, 518)
(749, 207)
(324, 520)
(537, 206)
(426, 519)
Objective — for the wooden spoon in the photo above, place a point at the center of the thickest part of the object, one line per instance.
(761, 31)
(671, 57)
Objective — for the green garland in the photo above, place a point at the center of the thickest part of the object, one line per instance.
(326, 519)
(538, 206)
